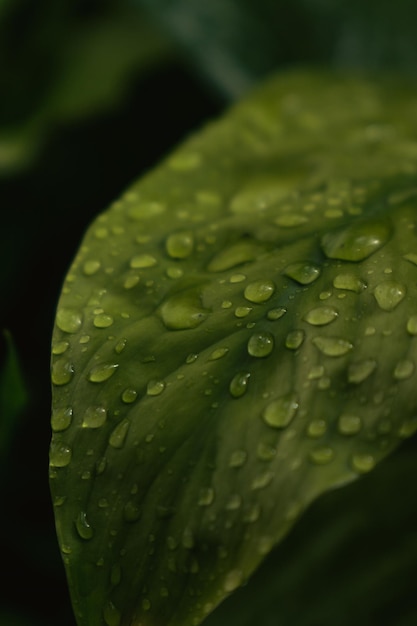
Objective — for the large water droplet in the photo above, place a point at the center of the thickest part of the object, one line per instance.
(356, 242)
(350, 282)
(349, 424)
(102, 372)
(129, 395)
(294, 339)
(332, 346)
(91, 267)
(180, 245)
(60, 347)
(303, 273)
(280, 412)
(102, 320)
(321, 315)
(316, 428)
(118, 436)
(389, 294)
(62, 372)
(183, 310)
(259, 291)
(235, 254)
(239, 384)
(68, 320)
(94, 417)
(60, 454)
(363, 463)
(61, 419)
(261, 344)
(83, 527)
(404, 369)
(155, 387)
(359, 371)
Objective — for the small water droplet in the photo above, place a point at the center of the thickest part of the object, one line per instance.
(188, 540)
(83, 527)
(94, 417)
(219, 353)
(350, 282)
(60, 454)
(260, 345)
(322, 455)
(62, 372)
(363, 463)
(259, 291)
(206, 496)
(356, 242)
(317, 371)
(349, 424)
(242, 311)
(120, 346)
(118, 436)
(237, 278)
(191, 358)
(233, 580)
(332, 346)
(290, 220)
(142, 261)
(129, 395)
(68, 320)
(234, 255)
(404, 369)
(262, 481)
(146, 604)
(102, 372)
(294, 339)
(61, 419)
(111, 615)
(183, 310)
(180, 245)
(234, 502)
(103, 321)
(321, 315)
(276, 314)
(389, 294)
(155, 387)
(131, 281)
(60, 347)
(412, 325)
(239, 384)
(91, 267)
(238, 458)
(361, 370)
(408, 428)
(280, 412)
(302, 273)
(131, 512)
(174, 272)
(316, 428)
(265, 452)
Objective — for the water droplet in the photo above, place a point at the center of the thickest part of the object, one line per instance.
(118, 436)
(62, 372)
(142, 261)
(155, 387)
(322, 456)
(83, 527)
(184, 162)
(120, 346)
(321, 315)
(235, 254)
(350, 282)
(131, 512)
(237, 278)
(412, 325)
(261, 344)
(408, 428)
(238, 458)
(68, 320)
(234, 502)
(60, 454)
(183, 310)
(233, 580)
(129, 395)
(174, 272)
(317, 371)
(403, 370)
(180, 245)
(218, 354)
(356, 242)
(302, 273)
(60, 347)
(206, 496)
(332, 346)
(363, 463)
(94, 417)
(239, 384)
(188, 540)
(262, 481)
(191, 358)
(316, 428)
(131, 281)
(276, 314)
(389, 294)
(412, 257)
(146, 604)
(111, 615)
(103, 321)
(91, 267)
(102, 372)
(358, 372)
(242, 311)
(265, 452)
(259, 291)
(61, 419)
(294, 339)
(280, 412)
(349, 424)
(290, 220)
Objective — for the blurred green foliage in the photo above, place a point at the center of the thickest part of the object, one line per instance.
(93, 93)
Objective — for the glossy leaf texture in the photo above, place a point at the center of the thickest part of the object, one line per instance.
(235, 337)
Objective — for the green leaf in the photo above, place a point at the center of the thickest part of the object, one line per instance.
(235, 337)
